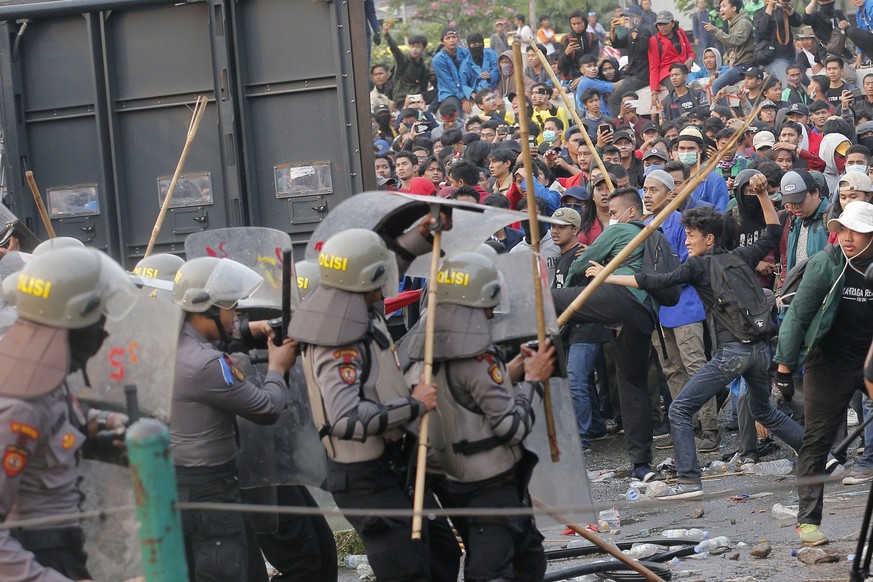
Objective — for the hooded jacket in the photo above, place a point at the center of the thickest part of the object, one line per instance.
(663, 53)
(740, 38)
(410, 76)
(703, 73)
(745, 224)
(826, 151)
(506, 85)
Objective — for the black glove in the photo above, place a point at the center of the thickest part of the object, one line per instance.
(377, 38)
(784, 383)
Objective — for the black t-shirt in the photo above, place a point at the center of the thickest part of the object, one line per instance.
(849, 338)
(579, 333)
(562, 268)
(833, 96)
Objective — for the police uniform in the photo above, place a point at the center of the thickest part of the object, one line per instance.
(61, 296)
(361, 405)
(479, 425)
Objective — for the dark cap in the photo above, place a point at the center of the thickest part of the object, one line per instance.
(695, 114)
(795, 184)
(767, 104)
(664, 16)
(798, 108)
(624, 135)
(753, 72)
(447, 30)
(577, 193)
(632, 10)
(381, 109)
(648, 126)
(656, 153)
(597, 179)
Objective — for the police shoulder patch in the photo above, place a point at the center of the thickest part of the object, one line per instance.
(14, 460)
(346, 354)
(348, 373)
(495, 373)
(229, 372)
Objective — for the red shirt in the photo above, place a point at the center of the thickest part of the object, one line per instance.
(661, 57)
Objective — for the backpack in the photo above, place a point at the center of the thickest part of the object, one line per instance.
(795, 276)
(740, 304)
(659, 257)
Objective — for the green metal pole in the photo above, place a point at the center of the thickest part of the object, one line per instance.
(154, 486)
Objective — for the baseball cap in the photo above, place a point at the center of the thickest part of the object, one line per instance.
(763, 139)
(798, 109)
(381, 109)
(664, 16)
(577, 193)
(767, 104)
(695, 114)
(598, 178)
(859, 181)
(656, 152)
(753, 72)
(632, 10)
(648, 126)
(664, 178)
(568, 216)
(794, 186)
(805, 32)
(857, 216)
(447, 30)
(623, 135)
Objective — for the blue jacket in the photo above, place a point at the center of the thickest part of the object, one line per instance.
(449, 78)
(470, 72)
(713, 190)
(603, 86)
(550, 197)
(690, 308)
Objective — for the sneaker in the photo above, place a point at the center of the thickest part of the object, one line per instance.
(858, 476)
(709, 442)
(612, 427)
(834, 468)
(810, 535)
(664, 443)
(643, 473)
(852, 418)
(681, 491)
(662, 430)
(732, 424)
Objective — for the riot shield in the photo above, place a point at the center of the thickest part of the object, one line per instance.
(393, 213)
(516, 318)
(141, 351)
(256, 247)
(10, 225)
(10, 263)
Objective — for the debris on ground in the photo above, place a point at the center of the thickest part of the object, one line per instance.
(780, 511)
(697, 513)
(817, 556)
(761, 550)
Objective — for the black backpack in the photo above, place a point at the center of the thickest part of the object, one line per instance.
(740, 304)
(659, 257)
(795, 276)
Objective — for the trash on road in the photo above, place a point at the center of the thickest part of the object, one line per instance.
(780, 511)
(817, 556)
(761, 550)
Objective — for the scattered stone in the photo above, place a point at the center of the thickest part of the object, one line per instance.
(733, 522)
(817, 556)
(697, 513)
(761, 550)
(717, 551)
(733, 556)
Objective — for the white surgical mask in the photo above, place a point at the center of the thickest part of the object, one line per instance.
(550, 135)
(857, 168)
(618, 220)
(689, 158)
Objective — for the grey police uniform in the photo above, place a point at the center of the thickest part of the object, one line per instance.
(476, 434)
(209, 392)
(41, 432)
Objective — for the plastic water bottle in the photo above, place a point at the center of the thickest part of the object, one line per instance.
(632, 494)
(638, 551)
(655, 487)
(719, 467)
(354, 560)
(609, 519)
(686, 534)
(706, 546)
(777, 467)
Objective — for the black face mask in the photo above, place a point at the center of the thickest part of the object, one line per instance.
(86, 342)
(827, 9)
(867, 142)
(477, 53)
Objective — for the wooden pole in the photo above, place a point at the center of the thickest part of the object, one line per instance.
(40, 206)
(524, 129)
(571, 109)
(659, 219)
(597, 541)
(199, 110)
(427, 378)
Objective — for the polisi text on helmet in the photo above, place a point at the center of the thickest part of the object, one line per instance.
(333, 262)
(452, 277)
(34, 286)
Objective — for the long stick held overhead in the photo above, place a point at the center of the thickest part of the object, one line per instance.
(524, 129)
(656, 222)
(571, 108)
(40, 205)
(196, 117)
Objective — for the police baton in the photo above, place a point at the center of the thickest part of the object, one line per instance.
(427, 374)
(535, 240)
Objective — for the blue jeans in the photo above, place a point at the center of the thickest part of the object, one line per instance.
(730, 77)
(751, 361)
(580, 365)
(866, 460)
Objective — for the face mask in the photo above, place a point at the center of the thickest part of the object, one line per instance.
(550, 135)
(840, 163)
(689, 158)
(477, 53)
(867, 142)
(857, 168)
(827, 8)
(618, 220)
(506, 70)
(85, 342)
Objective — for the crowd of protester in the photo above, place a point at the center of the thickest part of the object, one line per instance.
(795, 191)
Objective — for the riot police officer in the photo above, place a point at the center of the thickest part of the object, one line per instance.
(63, 297)
(361, 405)
(478, 429)
(209, 392)
(163, 266)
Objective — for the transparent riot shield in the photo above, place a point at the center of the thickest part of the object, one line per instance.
(10, 225)
(256, 247)
(140, 351)
(516, 316)
(10, 263)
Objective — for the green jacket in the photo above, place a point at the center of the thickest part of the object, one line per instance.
(606, 246)
(811, 314)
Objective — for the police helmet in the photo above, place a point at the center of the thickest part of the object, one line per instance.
(59, 242)
(71, 288)
(307, 277)
(162, 266)
(357, 260)
(207, 282)
(469, 279)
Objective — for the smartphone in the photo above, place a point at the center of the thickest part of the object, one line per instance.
(532, 142)
(857, 93)
(633, 104)
(502, 129)
(604, 128)
(420, 127)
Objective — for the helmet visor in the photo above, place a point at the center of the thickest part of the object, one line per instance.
(117, 292)
(231, 282)
(391, 286)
